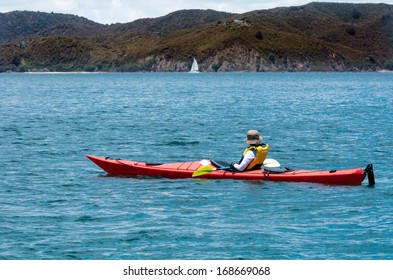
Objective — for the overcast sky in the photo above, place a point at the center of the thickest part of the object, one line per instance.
(113, 11)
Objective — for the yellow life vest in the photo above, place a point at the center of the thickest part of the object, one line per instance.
(260, 157)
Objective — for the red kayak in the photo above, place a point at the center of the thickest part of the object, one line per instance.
(208, 170)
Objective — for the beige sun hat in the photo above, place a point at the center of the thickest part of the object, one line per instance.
(253, 137)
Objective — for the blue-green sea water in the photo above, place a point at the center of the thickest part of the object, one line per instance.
(56, 204)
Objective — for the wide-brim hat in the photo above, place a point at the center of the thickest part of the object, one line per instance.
(253, 137)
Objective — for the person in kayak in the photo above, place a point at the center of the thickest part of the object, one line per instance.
(254, 155)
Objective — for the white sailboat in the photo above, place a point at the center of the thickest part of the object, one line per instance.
(194, 67)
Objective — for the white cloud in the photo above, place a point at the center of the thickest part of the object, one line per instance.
(112, 11)
(64, 5)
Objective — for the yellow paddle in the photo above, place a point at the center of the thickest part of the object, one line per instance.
(206, 169)
(203, 171)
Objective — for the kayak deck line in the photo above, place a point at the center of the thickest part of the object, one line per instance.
(183, 170)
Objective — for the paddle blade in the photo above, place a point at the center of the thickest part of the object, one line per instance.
(203, 171)
(269, 162)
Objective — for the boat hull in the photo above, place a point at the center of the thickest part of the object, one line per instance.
(182, 170)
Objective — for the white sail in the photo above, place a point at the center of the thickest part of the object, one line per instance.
(194, 67)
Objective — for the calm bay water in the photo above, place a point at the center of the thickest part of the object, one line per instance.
(55, 204)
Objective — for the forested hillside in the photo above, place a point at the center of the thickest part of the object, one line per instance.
(313, 37)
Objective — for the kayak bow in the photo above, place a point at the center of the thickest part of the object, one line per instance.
(182, 170)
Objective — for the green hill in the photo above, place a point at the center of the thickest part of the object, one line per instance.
(22, 25)
(313, 37)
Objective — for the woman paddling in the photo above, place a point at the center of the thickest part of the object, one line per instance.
(254, 154)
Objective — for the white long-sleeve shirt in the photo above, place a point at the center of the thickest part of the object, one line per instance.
(248, 157)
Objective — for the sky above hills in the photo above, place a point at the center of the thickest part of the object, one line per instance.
(114, 11)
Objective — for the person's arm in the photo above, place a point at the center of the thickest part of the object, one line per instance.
(248, 157)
